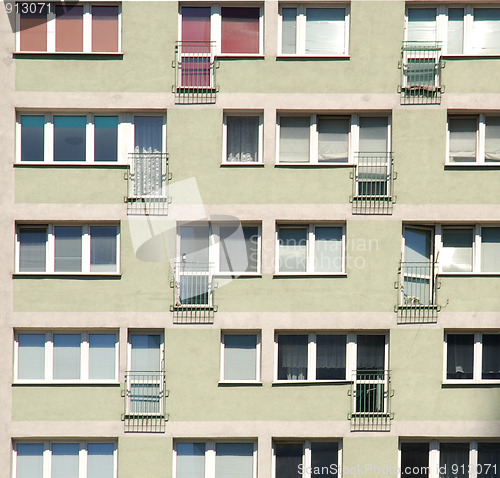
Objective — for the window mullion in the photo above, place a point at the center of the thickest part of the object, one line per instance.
(306, 457)
(481, 138)
(438, 243)
(354, 139)
(51, 29)
(434, 459)
(86, 249)
(48, 139)
(477, 249)
(473, 460)
(351, 349)
(210, 460)
(478, 355)
(301, 30)
(51, 249)
(89, 139)
(313, 140)
(310, 249)
(47, 460)
(87, 28)
(82, 460)
(84, 356)
(49, 356)
(468, 27)
(311, 359)
(214, 247)
(215, 28)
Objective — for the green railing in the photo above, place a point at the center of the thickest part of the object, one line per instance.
(370, 401)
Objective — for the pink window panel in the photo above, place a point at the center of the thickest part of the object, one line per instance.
(196, 24)
(104, 28)
(33, 31)
(195, 72)
(69, 28)
(240, 30)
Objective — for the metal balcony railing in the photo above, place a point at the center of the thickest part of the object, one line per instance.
(193, 287)
(421, 66)
(417, 289)
(147, 178)
(195, 67)
(370, 403)
(145, 401)
(373, 183)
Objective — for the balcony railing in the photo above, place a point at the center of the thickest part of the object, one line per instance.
(195, 72)
(193, 287)
(147, 184)
(373, 183)
(417, 289)
(421, 66)
(370, 401)
(145, 401)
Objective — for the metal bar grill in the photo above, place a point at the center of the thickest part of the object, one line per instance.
(195, 72)
(417, 292)
(421, 73)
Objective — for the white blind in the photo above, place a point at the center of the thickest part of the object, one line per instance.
(421, 24)
(100, 460)
(325, 31)
(32, 249)
(67, 356)
(29, 461)
(240, 357)
(486, 31)
(234, 460)
(373, 134)
(103, 248)
(492, 140)
(145, 353)
(333, 139)
(455, 31)
(293, 249)
(190, 460)
(328, 249)
(68, 248)
(102, 356)
(294, 140)
(289, 31)
(31, 356)
(490, 249)
(65, 460)
(463, 133)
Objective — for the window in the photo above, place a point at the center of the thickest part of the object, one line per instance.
(314, 30)
(332, 140)
(235, 30)
(465, 30)
(54, 28)
(88, 138)
(473, 357)
(307, 458)
(67, 249)
(474, 140)
(243, 139)
(68, 459)
(328, 357)
(66, 356)
(220, 459)
(310, 249)
(240, 357)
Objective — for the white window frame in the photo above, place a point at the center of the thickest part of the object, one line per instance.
(353, 137)
(216, 27)
(477, 363)
(300, 39)
(210, 453)
(306, 453)
(82, 456)
(87, 31)
(260, 150)
(311, 238)
(50, 249)
(351, 355)
(225, 333)
(49, 357)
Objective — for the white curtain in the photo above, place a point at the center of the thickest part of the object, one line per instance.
(234, 460)
(65, 460)
(67, 356)
(240, 357)
(333, 139)
(328, 249)
(289, 31)
(492, 140)
(242, 139)
(421, 24)
(460, 356)
(325, 31)
(330, 357)
(453, 460)
(293, 249)
(102, 356)
(294, 139)
(491, 357)
(292, 357)
(31, 356)
(370, 352)
(190, 461)
(455, 31)
(463, 135)
(148, 134)
(100, 460)
(486, 31)
(29, 462)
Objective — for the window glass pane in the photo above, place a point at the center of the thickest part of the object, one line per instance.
(325, 31)
(333, 139)
(68, 248)
(462, 139)
(490, 249)
(486, 31)
(240, 357)
(100, 460)
(32, 249)
(65, 460)
(240, 30)
(190, 460)
(421, 24)
(289, 31)
(102, 356)
(239, 248)
(414, 460)
(104, 28)
(324, 456)
(418, 245)
(32, 144)
(145, 353)
(460, 356)
(328, 249)
(373, 135)
(288, 460)
(492, 140)
(29, 462)
(69, 138)
(488, 454)
(196, 24)
(103, 248)
(453, 460)
(106, 138)
(234, 460)
(330, 357)
(31, 356)
(33, 29)
(292, 357)
(69, 28)
(455, 31)
(456, 255)
(148, 134)
(294, 140)
(491, 357)
(242, 139)
(293, 249)
(67, 356)
(195, 244)
(371, 353)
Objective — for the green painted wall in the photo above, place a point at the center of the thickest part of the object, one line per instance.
(146, 456)
(461, 75)
(366, 456)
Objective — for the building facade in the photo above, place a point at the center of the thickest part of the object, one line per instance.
(250, 239)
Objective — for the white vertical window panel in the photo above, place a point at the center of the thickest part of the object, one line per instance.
(145, 353)
(373, 134)
(100, 460)
(486, 31)
(32, 248)
(422, 24)
(455, 31)
(240, 357)
(463, 139)
(490, 249)
(102, 356)
(67, 356)
(333, 140)
(68, 248)
(293, 249)
(492, 139)
(29, 463)
(289, 31)
(234, 460)
(103, 243)
(325, 31)
(294, 139)
(31, 356)
(456, 254)
(65, 460)
(190, 461)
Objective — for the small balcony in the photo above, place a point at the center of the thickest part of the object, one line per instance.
(417, 289)
(421, 66)
(195, 67)
(373, 178)
(147, 179)
(370, 401)
(193, 287)
(145, 401)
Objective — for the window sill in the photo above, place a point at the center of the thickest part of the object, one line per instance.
(310, 382)
(313, 57)
(469, 274)
(243, 56)
(470, 56)
(67, 53)
(237, 274)
(66, 382)
(241, 164)
(492, 165)
(314, 165)
(469, 382)
(226, 383)
(83, 164)
(309, 274)
(57, 275)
